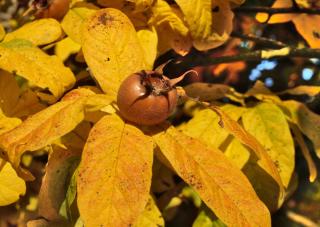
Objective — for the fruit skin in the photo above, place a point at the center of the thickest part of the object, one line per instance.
(56, 9)
(146, 98)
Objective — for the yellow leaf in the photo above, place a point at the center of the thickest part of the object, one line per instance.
(237, 153)
(45, 127)
(114, 174)
(11, 186)
(142, 5)
(111, 48)
(205, 125)
(198, 15)
(14, 102)
(37, 67)
(278, 18)
(221, 26)
(65, 48)
(6, 123)
(262, 93)
(303, 90)
(149, 42)
(61, 164)
(206, 218)
(2, 32)
(170, 39)
(264, 161)
(311, 32)
(220, 184)
(208, 92)
(39, 32)
(72, 22)
(307, 121)
(163, 13)
(151, 216)
(269, 126)
(9, 92)
(313, 173)
(266, 188)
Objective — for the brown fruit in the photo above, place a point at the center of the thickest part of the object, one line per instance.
(51, 8)
(146, 98)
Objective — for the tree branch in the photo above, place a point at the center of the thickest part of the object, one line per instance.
(312, 11)
(193, 60)
(261, 40)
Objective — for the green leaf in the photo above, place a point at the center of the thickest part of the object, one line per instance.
(269, 126)
(114, 174)
(220, 184)
(110, 56)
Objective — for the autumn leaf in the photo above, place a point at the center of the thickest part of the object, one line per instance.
(206, 218)
(310, 33)
(11, 186)
(172, 32)
(46, 126)
(53, 189)
(269, 126)
(65, 48)
(198, 17)
(205, 125)
(307, 121)
(151, 216)
(260, 157)
(114, 174)
(237, 153)
(163, 13)
(39, 32)
(73, 21)
(220, 184)
(149, 42)
(40, 69)
(111, 64)
(303, 90)
(142, 5)
(6, 123)
(14, 101)
(2, 32)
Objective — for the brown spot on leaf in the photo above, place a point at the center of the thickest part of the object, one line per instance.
(104, 18)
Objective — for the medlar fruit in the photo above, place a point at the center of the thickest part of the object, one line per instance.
(56, 9)
(147, 97)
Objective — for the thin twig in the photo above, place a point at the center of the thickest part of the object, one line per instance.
(311, 11)
(260, 40)
(298, 218)
(193, 60)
